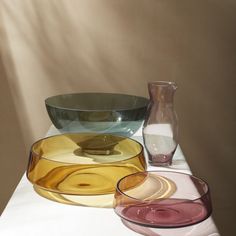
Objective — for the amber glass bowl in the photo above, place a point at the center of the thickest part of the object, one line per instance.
(83, 168)
(119, 114)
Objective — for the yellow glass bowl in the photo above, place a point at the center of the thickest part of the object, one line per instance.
(83, 168)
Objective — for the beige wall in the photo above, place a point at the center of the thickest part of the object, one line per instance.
(50, 47)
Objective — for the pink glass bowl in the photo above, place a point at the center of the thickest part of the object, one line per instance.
(162, 199)
(204, 228)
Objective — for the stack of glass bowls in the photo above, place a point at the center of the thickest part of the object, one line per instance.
(83, 165)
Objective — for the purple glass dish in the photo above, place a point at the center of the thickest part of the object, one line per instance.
(162, 199)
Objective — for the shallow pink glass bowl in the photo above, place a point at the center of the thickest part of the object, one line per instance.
(162, 199)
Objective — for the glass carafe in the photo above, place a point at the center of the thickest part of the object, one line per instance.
(160, 129)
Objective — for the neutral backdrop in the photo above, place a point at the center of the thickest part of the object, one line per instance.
(51, 47)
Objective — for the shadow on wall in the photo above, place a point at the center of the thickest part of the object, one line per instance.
(67, 46)
(12, 147)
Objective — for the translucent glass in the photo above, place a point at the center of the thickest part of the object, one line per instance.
(83, 169)
(119, 114)
(160, 129)
(159, 199)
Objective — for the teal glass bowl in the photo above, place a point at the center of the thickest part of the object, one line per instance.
(119, 114)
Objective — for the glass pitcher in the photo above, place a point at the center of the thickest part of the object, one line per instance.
(160, 129)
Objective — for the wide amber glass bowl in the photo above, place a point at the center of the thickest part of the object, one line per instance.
(82, 168)
(119, 114)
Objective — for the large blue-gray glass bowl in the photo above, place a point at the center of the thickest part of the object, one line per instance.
(119, 114)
